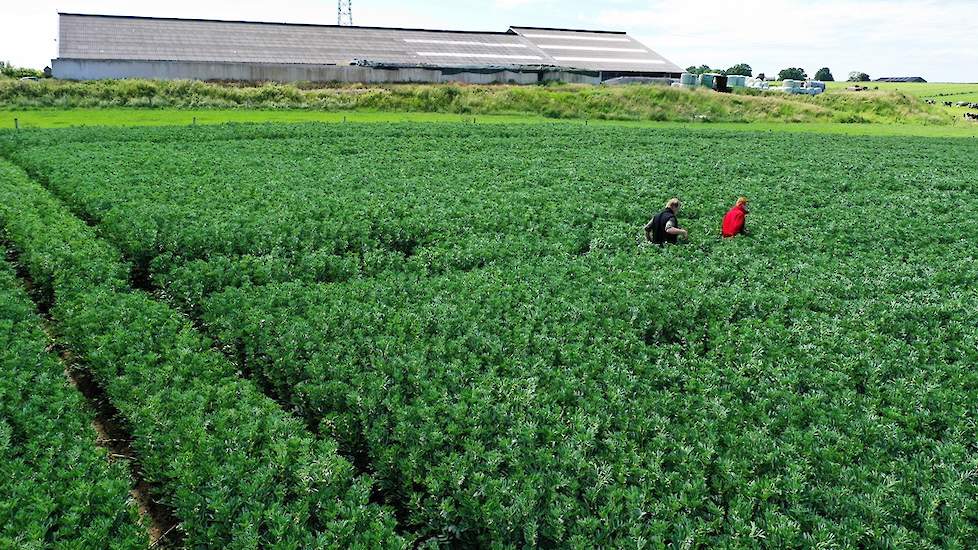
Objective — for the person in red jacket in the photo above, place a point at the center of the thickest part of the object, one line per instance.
(734, 223)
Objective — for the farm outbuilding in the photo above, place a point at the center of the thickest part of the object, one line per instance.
(901, 79)
(102, 46)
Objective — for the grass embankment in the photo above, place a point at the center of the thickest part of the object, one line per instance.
(629, 103)
(939, 92)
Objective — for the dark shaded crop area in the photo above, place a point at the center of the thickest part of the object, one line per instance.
(464, 323)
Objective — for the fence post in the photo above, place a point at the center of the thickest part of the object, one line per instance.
(16, 124)
(195, 121)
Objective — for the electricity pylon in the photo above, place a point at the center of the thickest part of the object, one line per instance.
(344, 12)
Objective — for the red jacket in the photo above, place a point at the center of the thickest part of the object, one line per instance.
(733, 222)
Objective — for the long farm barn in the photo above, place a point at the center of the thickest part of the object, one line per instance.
(102, 47)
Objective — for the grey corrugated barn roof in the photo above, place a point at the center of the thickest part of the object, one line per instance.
(104, 37)
(901, 79)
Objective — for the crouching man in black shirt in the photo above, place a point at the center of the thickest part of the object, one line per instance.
(664, 227)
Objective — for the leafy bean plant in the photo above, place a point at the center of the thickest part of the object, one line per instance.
(59, 489)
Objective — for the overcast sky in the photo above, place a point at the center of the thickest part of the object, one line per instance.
(936, 39)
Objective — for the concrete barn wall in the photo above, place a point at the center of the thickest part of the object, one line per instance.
(91, 69)
(572, 78)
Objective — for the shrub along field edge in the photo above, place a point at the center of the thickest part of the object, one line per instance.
(634, 102)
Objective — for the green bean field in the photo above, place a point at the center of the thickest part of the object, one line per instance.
(426, 335)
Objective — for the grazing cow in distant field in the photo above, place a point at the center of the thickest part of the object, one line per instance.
(947, 103)
(971, 116)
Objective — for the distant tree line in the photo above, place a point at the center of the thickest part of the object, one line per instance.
(9, 71)
(797, 73)
(738, 69)
(824, 74)
(794, 73)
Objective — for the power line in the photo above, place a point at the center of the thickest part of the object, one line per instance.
(344, 12)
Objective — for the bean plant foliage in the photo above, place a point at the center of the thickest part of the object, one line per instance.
(234, 468)
(465, 321)
(58, 488)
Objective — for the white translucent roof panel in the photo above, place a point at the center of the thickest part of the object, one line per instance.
(596, 50)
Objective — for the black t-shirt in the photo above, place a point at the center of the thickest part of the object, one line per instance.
(657, 227)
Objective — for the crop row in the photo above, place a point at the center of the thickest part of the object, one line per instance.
(59, 489)
(467, 313)
(236, 471)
